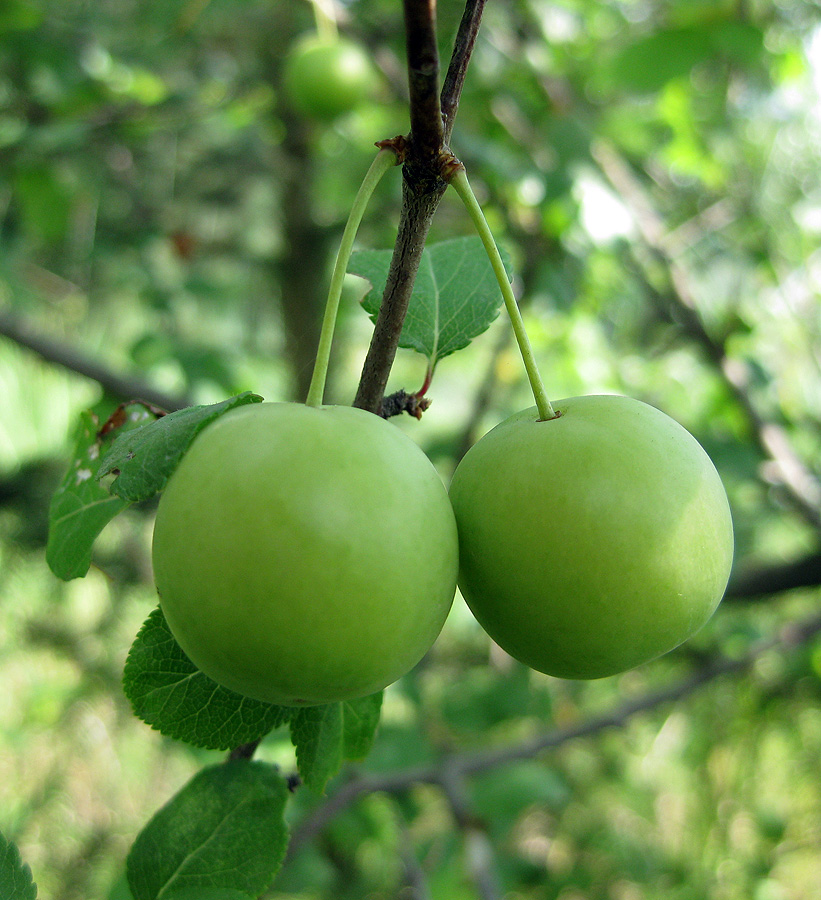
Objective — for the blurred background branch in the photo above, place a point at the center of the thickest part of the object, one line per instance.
(449, 773)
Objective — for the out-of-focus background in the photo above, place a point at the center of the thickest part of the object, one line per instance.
(167, 224)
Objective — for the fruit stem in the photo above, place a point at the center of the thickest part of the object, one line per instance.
(459, 182)
(325, 19)
(384, 160)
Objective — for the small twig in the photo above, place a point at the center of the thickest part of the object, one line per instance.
(402, 402)
(457, 70)
(416, 881)
(416, 216)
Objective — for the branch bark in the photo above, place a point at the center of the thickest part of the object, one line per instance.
(764, 581)
(423, 183)
(419, 204)
(423, 79)
(457, 70)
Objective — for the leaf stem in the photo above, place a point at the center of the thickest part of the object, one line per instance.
(384, 160)
(461, 185)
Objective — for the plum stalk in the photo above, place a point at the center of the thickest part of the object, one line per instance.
(459, 182)
(325, 19)
(384, 160)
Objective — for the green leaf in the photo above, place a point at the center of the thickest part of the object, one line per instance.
(15, 877)
(455, 297)
(360, 720)
(223, 835)
(144, 459)
(326, 735)
(317, 733)
(169, 693)
(198, 893)
(81, 506)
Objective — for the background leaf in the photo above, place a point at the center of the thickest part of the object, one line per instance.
(169, 693)
(201, 232)
(455, 297)
(223, 830)
(145, 459)
(15, 877)
(652, 60)
(81, 507)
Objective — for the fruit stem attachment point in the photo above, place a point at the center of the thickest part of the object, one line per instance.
(325, 19)
(385, 159)
(459, 182)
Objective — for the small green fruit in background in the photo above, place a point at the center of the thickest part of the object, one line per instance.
(325, 78)
(305, 555)
(592, 542)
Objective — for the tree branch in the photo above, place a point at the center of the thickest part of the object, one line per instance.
(763, 581)
(423, 183)
(123, 387)
(800, 485)
(423, 79)
(479, 856)
(418, 206)
(788, 638)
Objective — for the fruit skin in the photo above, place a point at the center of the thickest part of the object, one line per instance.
(592, 542)
(305, 555)
(325, 78)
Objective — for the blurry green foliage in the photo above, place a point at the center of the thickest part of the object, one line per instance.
(149, 167)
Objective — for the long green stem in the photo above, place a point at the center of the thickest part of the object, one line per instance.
(462, 187)
(384, 160)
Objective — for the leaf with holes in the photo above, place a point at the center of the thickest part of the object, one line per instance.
(81, 507)
(144, 459)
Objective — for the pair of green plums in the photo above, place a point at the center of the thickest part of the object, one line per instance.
(305, 555)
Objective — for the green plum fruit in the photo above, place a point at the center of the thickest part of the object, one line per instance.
(305, 555)
(324, 78)
(592, 542)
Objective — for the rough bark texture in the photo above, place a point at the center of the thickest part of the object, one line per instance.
(426, 163)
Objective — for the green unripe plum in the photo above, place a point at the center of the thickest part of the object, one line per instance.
(304, 555)
(592, 542)
(325, 78)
